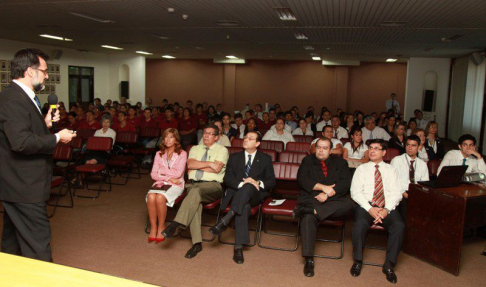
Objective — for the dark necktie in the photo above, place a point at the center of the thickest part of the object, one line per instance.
(36, 99)
(411, 172)
(200, 173)
(378, 194)
(248, 166)
(464, 161)
(324, 168)
(336, 133)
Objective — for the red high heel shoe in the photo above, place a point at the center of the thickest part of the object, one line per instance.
(158, 240)
(152, 239)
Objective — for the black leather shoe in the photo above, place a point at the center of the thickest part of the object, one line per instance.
(238, 256)
(195, 249)
(390, 275)
(218, 228)
(170, 230)
(356, 268)
(309, 268)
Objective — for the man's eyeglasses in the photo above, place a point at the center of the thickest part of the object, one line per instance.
(374, 148)
(43, 71)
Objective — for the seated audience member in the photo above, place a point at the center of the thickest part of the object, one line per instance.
(265, 124)
(421, 122)
(228, 130)
(157, 114)
(337, 145)
(371, 131)
(72, 123)
(289, 121)
(349, 123)
(390, 126)
(381, 121)
(207, 165)
(169, 121)
(398, 139)
(168, 174)
(356, 151)
(377, 191)
(122, 125)
(433, 144)
(202, 120)
(187, 128)
(251, 126)
(272, 116)
(80, 114)
(219, 110)
(63, 117)
(466, 155)
(189, 104)
(309, 119)
(238, 125)
(324, 182)
(326, 120)
(410, 169)
(422, 152)
(249, 178)
(133, 118)
(148, 121)
(90, 123)
(259, 111)
(412, 125)
(303, 129)
(338, 131)
(223, 139)
(212, 114)
(393, 104)
(279, 133)
(359, 121)
(180, 113)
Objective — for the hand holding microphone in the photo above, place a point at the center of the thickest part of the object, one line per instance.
(52, 116)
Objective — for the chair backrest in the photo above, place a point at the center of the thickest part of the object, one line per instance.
(277, 146)
(127, 137)
(99, 144)
(286, 171)
(263, 131)
(85, 133)
(77, 142)
(295, 146)
(433, 166)
(188, 148)
(273, 154)
(233, 149)
(62, 152)
(303, 139)
(390, 154)
(237, 142)
(292, 156)
(344, 140)
(149, 132)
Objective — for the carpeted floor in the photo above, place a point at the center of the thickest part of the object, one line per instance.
(106, 235)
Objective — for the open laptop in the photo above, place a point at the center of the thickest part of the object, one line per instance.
(449, 176)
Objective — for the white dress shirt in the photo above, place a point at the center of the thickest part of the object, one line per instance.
(240, 131)
(363, 185)
(322, 124)
(272, 135)
(223, 140)
(393, 103)
(422, 124)
(287, 128)
(298, 132)
(422, 154)
(378, 133)
(341, 133)
(335, 142)
(108, 134)
(454, 157)
(402, 163)
(246, 162)
(359, 153)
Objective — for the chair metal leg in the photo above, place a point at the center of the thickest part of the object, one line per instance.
(104, 176)
(262, 228)
(341, 240)
(59, 195)
(376, 248)
(255, 230)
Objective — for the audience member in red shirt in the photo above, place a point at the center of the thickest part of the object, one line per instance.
(187, 128)
(132, 117)
(148, 121)
(180, 113)
(114, 115)
(169, 122)
(72, 125)
(200, 117)
(91, 123)
(123, 125)
(266, 123)
(79, 114)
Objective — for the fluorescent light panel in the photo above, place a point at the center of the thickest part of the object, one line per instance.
(316, 58)
(168, 57)
(285, 14)
(231, 57)
(301, 36)
(391, 60)
(56, 38)
(104, 21)
(229, 61)
(111, 47)
(143, 53)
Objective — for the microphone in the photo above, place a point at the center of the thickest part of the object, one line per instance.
(52, 101)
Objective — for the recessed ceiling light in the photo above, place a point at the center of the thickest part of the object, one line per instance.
(309, 48)
(89, 17)
(168, 57)
(450, 39)
(227, 23)
(301, 36)
(391, 60)
(143, 53)
(231, 57)
(285, 14)
(394, 23)
(316, 58)
(158, 36)
(111, 47)
(56, 38)
(328, 48)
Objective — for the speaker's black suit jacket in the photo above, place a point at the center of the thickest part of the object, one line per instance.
(261, 169)
(26, 147)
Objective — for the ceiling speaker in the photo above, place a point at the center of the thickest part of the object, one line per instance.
(56, 54)
(476, 58)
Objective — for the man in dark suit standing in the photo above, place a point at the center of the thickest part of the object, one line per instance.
(249, 177)
(26, 147)
(325, 180)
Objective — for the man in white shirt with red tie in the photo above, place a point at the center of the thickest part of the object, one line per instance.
(410, 169)
(377, 191)
(338, 131)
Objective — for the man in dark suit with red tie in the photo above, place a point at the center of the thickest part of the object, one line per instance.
(324, 180)
(26, 147)
(249, 177)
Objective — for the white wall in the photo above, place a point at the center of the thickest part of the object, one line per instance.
(414, 92)
(106, 74)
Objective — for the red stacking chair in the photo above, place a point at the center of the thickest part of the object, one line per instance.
(237, 142)
(295, 146)
(62, 153)
(85, 134)
(233, 149)
(271, 153)
(96, 144)
(378, 228)
(303, 139)
(188, 148)
(263, 132)
(126, 159)
(254, 211)
(292, 156)
(286, 175)
(277, 146)
(390, 154)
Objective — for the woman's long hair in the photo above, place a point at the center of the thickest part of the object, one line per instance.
(354, 130)
(178, 146)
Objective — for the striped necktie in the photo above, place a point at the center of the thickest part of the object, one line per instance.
(378, 194)
(248, 166)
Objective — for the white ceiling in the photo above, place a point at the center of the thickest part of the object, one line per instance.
(336, 29)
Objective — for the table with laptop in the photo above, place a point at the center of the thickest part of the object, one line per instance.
(438, 213)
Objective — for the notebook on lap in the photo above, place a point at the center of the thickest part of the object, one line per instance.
(449, 176)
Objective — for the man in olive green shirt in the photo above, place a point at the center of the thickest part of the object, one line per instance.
(206, 165)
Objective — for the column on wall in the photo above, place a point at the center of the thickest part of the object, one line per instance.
(229, 87)
(473, 101)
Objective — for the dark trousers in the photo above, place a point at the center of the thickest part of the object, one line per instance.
(402, 208)
(309, 224)
(242, 201)
(394, 225)
(26, 230)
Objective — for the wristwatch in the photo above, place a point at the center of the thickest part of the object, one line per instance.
(388, 211)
